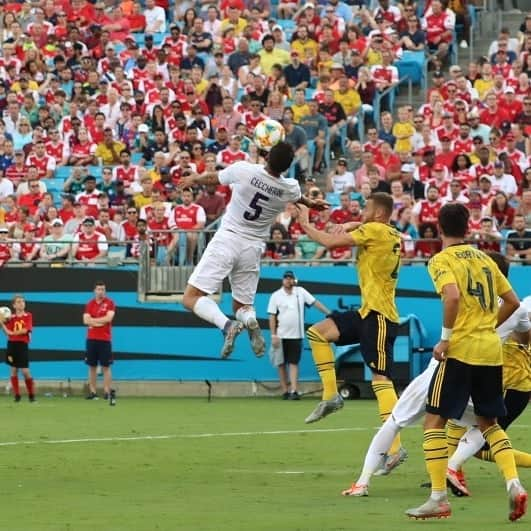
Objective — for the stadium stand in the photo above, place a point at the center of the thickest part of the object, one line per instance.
(129, 96)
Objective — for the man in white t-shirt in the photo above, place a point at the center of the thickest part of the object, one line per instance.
(502, 181)
(155, 18)
(259, 195)
(286, 323)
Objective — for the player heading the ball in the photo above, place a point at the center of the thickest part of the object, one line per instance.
(259, 194)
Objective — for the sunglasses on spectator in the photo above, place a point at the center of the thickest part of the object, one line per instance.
(478, 142)
(107, 171)
(34, 186)
(132, 212)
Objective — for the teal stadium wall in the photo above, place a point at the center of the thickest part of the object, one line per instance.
(165, 342)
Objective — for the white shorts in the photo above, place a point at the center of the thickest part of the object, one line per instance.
(229, 255)
(411, 405)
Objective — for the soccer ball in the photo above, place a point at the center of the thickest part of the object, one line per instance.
(5, 313)
(268, 133)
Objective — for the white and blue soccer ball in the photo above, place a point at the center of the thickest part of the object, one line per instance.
(268, 133)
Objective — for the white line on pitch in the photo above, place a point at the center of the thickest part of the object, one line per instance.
(197, 436)
(181, 436)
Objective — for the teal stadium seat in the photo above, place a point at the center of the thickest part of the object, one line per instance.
(136, 158)
(333, 199)
(63, 172)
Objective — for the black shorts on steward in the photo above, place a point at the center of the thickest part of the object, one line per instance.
(454, 382)
(98, 352)
(375, 334)
(17, 354)
(291, 348)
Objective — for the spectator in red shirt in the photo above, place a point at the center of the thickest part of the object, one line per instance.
(428, 244)
(213, 203)
(18, 330)
(494, 115)
(89, 245)
(342, 214)
(188, 216)
(500, 209)
(32, 199)
(97, 317)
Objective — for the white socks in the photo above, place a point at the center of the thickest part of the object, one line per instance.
(469, 445)
(209, 311)
(439, 495)
(379, 446)
(244, 314)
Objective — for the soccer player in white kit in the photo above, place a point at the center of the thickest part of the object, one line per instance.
(259, 194)
(411, 407)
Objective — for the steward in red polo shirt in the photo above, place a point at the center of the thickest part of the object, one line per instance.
(98, 315)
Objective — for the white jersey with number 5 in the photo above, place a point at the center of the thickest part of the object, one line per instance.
(257, 199)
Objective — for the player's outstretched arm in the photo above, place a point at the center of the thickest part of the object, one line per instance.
(330, 241)
(317, 204)
(195, 179)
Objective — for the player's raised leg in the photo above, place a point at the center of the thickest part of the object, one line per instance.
(244, 282)
(215, 265)
(320, 336)
(408, 410)
(198, 301)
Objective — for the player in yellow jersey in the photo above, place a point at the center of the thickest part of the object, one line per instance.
(375, 324)
(517, 388)
(470, 356)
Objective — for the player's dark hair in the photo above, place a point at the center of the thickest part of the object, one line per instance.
(501, 262)
(99, 283)
(383, 200)
(280, 157)
(453, 220)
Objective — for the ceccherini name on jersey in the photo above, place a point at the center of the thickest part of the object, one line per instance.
(257, 183)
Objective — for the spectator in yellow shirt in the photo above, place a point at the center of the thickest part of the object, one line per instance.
(300, 108)
(109, 150)
(144, 197)
(403, 130)
(486, 82)
(269, 55)
(233, 19)
(349, 99)
(305, 46)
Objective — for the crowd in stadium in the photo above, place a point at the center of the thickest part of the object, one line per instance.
(106, 105)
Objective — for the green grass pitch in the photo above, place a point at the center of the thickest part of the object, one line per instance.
(232, 464)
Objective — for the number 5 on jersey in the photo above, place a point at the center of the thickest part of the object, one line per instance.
(255, 206)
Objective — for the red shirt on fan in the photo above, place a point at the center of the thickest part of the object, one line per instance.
(340, 216)
(89, 246)
(227, 156)
(98, 309)
(187, 217)
(17, 323)
(163, 239)
(428, 211)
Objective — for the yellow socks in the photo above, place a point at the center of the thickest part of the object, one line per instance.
(521, 459)
(323, 357)
(501, 451)
(386, 397)
(436, 456)
(453, 436)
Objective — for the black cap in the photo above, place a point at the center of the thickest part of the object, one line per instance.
(89, 178)
(289, 274)
(89, 220)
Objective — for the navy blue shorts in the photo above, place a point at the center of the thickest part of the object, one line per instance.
(98, 352)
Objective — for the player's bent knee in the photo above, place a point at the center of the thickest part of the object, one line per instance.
(324, 331)
(190, 296)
